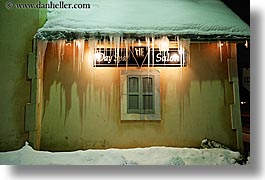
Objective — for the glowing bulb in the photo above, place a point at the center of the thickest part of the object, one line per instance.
(246, 44)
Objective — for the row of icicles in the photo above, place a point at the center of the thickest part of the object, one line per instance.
(115, 44)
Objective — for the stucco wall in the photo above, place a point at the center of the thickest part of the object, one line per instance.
(18, 27)
(82, 110)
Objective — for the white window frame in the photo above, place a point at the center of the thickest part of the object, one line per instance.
(156, 113)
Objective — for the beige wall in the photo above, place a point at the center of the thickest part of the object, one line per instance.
(17, 30)
(82, 110)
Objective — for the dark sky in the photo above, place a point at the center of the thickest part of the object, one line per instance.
(241, 8)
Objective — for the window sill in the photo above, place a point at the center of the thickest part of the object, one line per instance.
(140, 121)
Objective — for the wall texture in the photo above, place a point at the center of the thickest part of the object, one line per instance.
(82, 109)
(18, 27)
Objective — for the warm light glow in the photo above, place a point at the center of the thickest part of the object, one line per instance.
(181, 51)
(243, 102)
(97, 56)
(68, 44)
(164, 44)
(139, 42)
(246, 44)
(78, 43)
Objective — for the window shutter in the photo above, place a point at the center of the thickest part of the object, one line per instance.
(147, 95)
(140, 94)
(133, 94)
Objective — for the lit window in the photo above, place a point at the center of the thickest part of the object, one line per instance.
(140, 99)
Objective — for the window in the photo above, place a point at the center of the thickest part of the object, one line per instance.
(140, 95)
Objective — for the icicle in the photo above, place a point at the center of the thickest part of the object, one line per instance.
(42, 46)
(153, 50)
(121, 45)
(227, 49)
(41, 50)
(164, 44)
(58, 55)
(90, 54)
(54, 45)
(105, 45)
(80, 43)
(117, 48)
(180, 47)
(126, 42)
(110, 40)
(60, 50)
(74, 46)
(92, 50)
(220, 51)
(185, 50)
(148, 53)
(178, 41)
(181, 53)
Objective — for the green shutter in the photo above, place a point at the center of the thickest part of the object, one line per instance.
(147, 95)
(140, 91)
(133, 100)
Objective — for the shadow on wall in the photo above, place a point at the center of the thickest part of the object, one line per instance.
(68, 66)
(65, 66)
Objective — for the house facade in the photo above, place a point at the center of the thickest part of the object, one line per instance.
(121, 76)
(91, 101)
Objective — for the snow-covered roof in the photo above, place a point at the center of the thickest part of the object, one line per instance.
(211, 18)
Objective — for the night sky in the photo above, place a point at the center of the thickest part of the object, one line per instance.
(241, 8)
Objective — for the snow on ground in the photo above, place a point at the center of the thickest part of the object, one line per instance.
(137, 156)
(176, 17)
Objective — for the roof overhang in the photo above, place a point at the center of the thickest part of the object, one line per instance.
(198, 20)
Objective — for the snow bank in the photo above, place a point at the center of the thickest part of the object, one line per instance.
(136, 156)
(147, 17)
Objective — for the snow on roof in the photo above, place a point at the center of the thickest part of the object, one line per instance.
(146, 17)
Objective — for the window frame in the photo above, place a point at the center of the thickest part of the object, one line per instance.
(155, 112)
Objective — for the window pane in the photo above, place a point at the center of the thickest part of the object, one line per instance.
(147, 84)
(147, 102)
(133, 102)
(133, 84)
